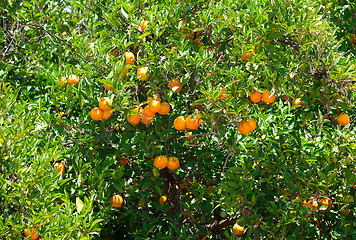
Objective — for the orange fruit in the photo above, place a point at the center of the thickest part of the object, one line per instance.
(160, 162)
(237, 229)
(142, 73)
(179, 123)
(173, 163)
(163, 199)
(267, 98)
(244, 127)
(113, 53)
(96, 114)
(223, 90)
(175, 85)
(192, 124)
(123, 161)
(146, 119)
(297, 102)
(165, 108)
(60, 167)
(155, 97)
(252, 124)
(116, 200)
(256, 96)
(134, 119)
(62, 82)
(247, 54)
(147, 112)
(106, 114)
(73, 80)
(143, 25)
(223, 96)
(326, 202)
(107, 87)
(31, 232)
(343, 119)
(105, 104)
(129, 57)
(346, 212)
(312, 204)
(154, 106)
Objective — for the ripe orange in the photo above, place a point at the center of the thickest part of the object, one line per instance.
(244, 127)
(134, 119)
(73, 80)
(113, 53)
(96, 114)
(346, 212)
(31, 232)
(129, 57)
(343, 119)
(105, 104)
(165, 108)
(62, 82)
(146, 119)
(179, 123)
(267, 98)
(175, 85)
(142, 73)
(312, 204)
(116, 200)
(106, 114)
(154, 97)
(154, 106)
(247, 54)
(252, 124)
(256, 96)
(123, 161)
(160, 162)
(326, 202)
(297, 102)
(147, 112)
(223, 90)
(107, 87)
(60, 167)
(173, 163)
(143, 25)
(237, 229)
(192, 124)
(163, 199)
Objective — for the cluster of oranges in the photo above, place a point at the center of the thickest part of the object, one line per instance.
(266, 96)
(71, 80)
(104, 110)
(161, 162)
(247, 126)
(146, 114)
(180, 123)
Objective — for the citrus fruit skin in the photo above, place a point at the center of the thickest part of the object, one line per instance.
(143, 25)
(175, 85)
(192, 124)
(96, 114)
(298, 102)
(165, 108)
(255, 97)
(173, 163)
(134, 119)
(237, 229)
(343, 119)
(73, 80)
(142, 73)
(105, 104)
(107, 87)
(179, 123)
(248, 54)
(154, 106)
(244, 127)
(31, 232)
(160, 162)
(267, 98)
(62, 82)
(326, 202)
(106, 114)
(60, 167)
(252, 124)
(163, 199)
(346, 212)
(146, 119)
(129, 58)
(116, 200)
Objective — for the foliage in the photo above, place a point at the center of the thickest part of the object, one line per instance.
(299, 49)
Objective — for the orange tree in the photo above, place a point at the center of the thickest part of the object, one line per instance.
(135, 119)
